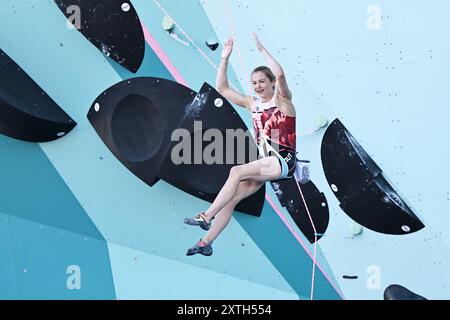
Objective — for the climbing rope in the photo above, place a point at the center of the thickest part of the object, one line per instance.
(202, 53)
(243, 66)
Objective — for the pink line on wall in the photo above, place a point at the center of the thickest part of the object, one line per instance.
(162, 56)
(283, 218)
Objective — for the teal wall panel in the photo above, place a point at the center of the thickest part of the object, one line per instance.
(33, 190)
(8, 279)
(55, 264)
(68, 201)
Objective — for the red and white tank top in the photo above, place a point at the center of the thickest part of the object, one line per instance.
(273, 124)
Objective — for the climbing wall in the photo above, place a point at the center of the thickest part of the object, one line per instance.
(379, 68)
(76, 223)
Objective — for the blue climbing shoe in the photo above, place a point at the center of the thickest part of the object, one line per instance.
(200, 247)
(198, 220)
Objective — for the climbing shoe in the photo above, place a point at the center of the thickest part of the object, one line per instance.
(198, 220)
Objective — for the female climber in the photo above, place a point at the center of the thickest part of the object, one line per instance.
(274, 123)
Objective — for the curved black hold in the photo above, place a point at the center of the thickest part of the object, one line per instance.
(346, 164)
(288, 194)
(397, 292)
(205, 179)
(212, 45)
(135, 119)
(113, 26)
(26, 112)
(358, 183)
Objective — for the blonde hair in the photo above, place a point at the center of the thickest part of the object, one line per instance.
(267, 72)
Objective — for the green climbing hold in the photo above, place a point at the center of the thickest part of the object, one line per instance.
(168, 24)
(321, 121)
(356, 229)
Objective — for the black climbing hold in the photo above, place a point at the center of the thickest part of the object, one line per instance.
(350, 277)
(113, 26)
(212, 45)
(398, 292)
(364, 194)
(26, 112)
(378, 207)
(348, 167)
(135, 119)
(288, 194)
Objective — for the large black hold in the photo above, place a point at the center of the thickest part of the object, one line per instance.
(357, 182)
(398, 292)
(27, 113)
(210, 110)
(135, 119)
(113, 26)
